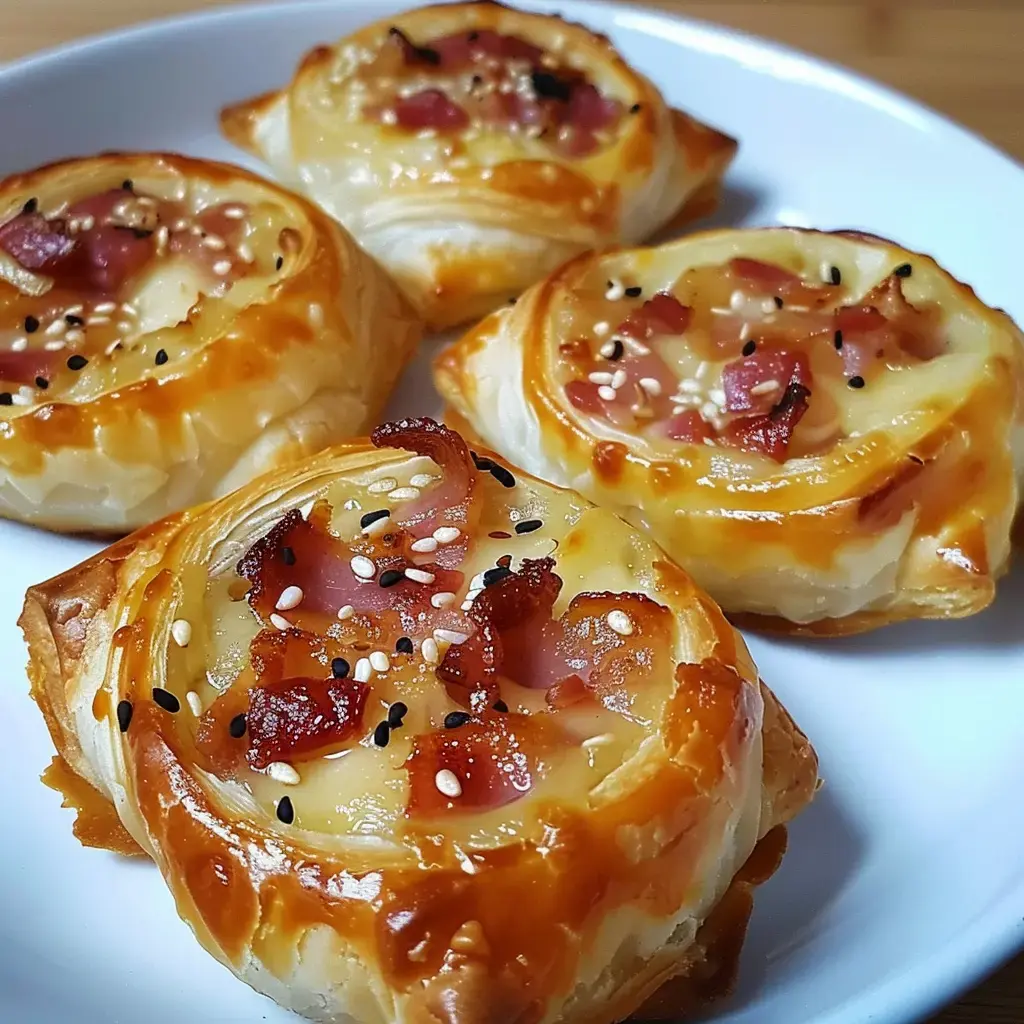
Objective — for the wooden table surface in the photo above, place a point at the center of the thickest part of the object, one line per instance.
(963, 57)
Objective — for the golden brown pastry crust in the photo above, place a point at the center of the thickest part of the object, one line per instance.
(198, 399)
(906, 516)
(474, 218)
(332, 924)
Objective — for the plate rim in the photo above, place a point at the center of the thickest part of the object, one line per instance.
(992, 939)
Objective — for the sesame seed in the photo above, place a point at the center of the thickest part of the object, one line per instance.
(285, 810)
(447, 783)
(420, 575)
(291, 597)
(73, 320)
(19, 344)
(599, 377)
(6, 398)
(195, 703)
(279, 263)
(450, 636)
(31, 325)
(528, 525)
(284, 773)
(765, 388)
(835, 275)
(748, 349)
(161, 357)
(287, 556)
(650, 385)
(42, 383)
(76, 362)
(166, 700)
(456, 719)
(904, 270)
(124, 715)
(389, 577)
(279, 621)
(442, 599)
(339, 668)
(363, 568)
(346, 611)
(500, 705)
(620, 622)
(404, 493)
(496, 575)
(56, 328)
(424, 545)
(613, 350)
(856, 381)
(236, 727)
(634, 291)
(614, 290)
(601, 740)
(477, 582)
(399, 709)
(404, 645)
(222, 267)
(181, 630)
(447, 534)
(382, 734)
(379, 661)
(214, 242)
(837, 340)
(635, 109)
(429, 650)
(607, 393)
(363, 671)
(601, 328)
(98, 321)
(234, 212)
(127, 307)
(369, 518)
(315, 314)
(382, 486)
(422, 480)
(54, 346)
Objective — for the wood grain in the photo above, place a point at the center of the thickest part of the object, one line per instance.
(966, 59)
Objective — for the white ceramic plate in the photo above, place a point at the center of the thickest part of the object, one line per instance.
(905, 880)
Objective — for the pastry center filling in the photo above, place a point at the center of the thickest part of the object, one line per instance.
(747, 355)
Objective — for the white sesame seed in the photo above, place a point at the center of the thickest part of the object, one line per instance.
(55, 346)
(466, 605)
(618, 379)
(616, 290)
(195, 703)
(103, 308)
(607, 393)
(20, 398)
(601, 328)
(447, 534)
(346, 611)
(74, 337)
(19, 344)
(124, 326)
(404, 494)
(598, 741)
(233, 212)
(599, 377)
(214, 242)
(388, 117)
(281, 771)
(442, 599)
(351, 505)
(378, 526)
(181, 630)
(608, 349)
(97, 321)
(477, 582)
(363, 567)
(222, 267)
(279, 621)
(382, 486)
(650, 385)
(316, 315)
(424, 545)
(419, 575)
(447, 783)
(112, 346)
(57, 328)
(431, 655)
(363, 671)
(736, 300)
(245, 252)
(620, 622)
(450, 636)
(129, 309)
(379, 661)
(766, 387)
(422, 480)
(291, 597)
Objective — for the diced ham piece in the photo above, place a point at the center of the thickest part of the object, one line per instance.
(689, 427)
(746, 381)
(589, 111)
(662, 313)
(771, 433)
(35, 242)
(430, 108)
(298, 718)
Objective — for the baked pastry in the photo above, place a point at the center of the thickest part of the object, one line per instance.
(171, 327)
(823, 429)
(472, 147)
(415, 737)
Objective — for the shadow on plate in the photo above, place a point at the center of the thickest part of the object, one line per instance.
(738, 203)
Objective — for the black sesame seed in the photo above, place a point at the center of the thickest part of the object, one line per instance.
(503, 476)
(124, 715)
(31, 325)
(42, 383)
(404, 645)
(287, 556)
(496, 575)
(389, 577)
(6, 398)
(285, 811)
(128, 185)
(916, 460)
(73, 321)
(500, 705)
(617, 351)
(372, 517)
(165, 699)
(837, 340)
(778, 302)
(634, 291)
(77, 362)
(835, 275)
(528, 525)
(396, 713)
(455, 719)
(549, 86)
(279, 262)
(482, 463)
(635, 109)
(236, 727)
(513, 300)
(31, 206)
(904, 270)
(339, 668)
(382, 734)
(161, 357)
(748, 349)
(856, 382)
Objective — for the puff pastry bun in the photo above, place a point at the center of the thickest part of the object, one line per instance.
(824, 429)
(171, 327)
(472, 148)
(414, 737)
